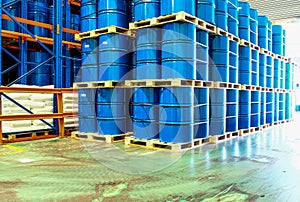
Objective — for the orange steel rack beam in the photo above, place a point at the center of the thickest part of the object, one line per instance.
(45, 40)
(39, 24)
(60, 115)
(75, 3)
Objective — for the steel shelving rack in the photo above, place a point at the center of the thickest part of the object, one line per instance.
(57, 48)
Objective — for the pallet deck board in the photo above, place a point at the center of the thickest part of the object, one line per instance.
(224, 137)
(156, 144)
(29, 134)
(106, 30)
(99, 84)
(97, 137)
(175, 17)
(168, 83)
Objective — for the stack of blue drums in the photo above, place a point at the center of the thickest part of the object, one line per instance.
(284, 43)
(281, 107)
(179, 50)
(148, 53)
(255, 67)
(145, 114)
(288, 80)
(245, 69)
(87, 110)
(269, 107)
(37, 11)
(88, 15)
(13, 10)
(244, 109)
(270, 36)
(255, 108)
(221, 14)
(112, 13)
(232, 103)
(176, 114)
(288, 106)
(233, 61)
(201, 113)
(202, 55)
(262, 108)
(113, 57)
(219, 53)
(276, 75)
(42, 76)
(282, 75)
(206, 10)
(269, 72)
(219, 71)
(111, 111)
(262, 69)
(174, 6)
(146, 9)
(253, 26)
(292, 76)
(233, 22)
(262, 83)
(276, 107)
(263, 31)
(277, 39)
(244, 20)
(89, 58)
(217, 125)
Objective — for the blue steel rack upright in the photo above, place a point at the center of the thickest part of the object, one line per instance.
(62, 77)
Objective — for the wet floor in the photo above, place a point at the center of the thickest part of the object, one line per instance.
(260, 167)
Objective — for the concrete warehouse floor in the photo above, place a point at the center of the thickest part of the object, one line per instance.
(259, 167)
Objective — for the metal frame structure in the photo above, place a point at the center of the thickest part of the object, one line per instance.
(60, 50)
(59, 115)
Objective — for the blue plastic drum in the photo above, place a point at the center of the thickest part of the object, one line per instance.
(146, 9)
(174, 6)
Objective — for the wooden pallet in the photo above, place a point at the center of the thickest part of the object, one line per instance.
(263, 51)
(221, 32)
(99, 84)
(220, 138)
(280, 122)
(254, 47)
(273, 55)
(105, 30)
(270, 90)
(248, 131)
(256, 129)
(25, 135)
(103, 138)
(168, 83)
(264, 127)
(248, 87)
(280, 57)
(234, 38)
(227, 85)
(68, 131)
(156, 144)
(175, 17)
(243, 42)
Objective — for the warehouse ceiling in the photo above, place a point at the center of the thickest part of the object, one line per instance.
(277, 10)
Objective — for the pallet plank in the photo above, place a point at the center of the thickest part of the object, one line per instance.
(97, 137)
(175, 147)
